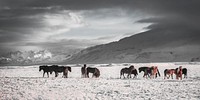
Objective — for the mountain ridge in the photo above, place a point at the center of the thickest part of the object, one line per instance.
(149, 46)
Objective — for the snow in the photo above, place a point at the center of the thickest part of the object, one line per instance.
(26, 82)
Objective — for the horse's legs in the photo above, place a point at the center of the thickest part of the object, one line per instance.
(156, 75)
(129, 75)
(181, 76)
(43, 74)
(172, 76)
(48, 74)
(92, 75)
(123, 75)
(144, 75)
(56, 74)
(66, 75)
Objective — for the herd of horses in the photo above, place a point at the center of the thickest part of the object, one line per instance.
(149, 72)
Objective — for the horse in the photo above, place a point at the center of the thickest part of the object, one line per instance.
(134, 72)
(60, 69)
(126, 71)
(147, 71)
(95, 71)
(46, 69)
(179, 72)
(83, 71)
(185, 72)
(154, 72)
(65, 72)
(169, 72)
(97, 74)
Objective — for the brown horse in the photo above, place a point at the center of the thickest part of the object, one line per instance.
(154, 72)
(83, 71)
(126, 71)
(179, 72)
(168, 73)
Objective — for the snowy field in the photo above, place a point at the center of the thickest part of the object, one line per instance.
(26, 82)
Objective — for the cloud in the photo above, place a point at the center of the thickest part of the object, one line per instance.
(46, 23)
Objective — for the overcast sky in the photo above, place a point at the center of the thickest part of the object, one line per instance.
(56, 24)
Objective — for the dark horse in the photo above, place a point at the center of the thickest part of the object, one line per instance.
(147, 71)
(95, 71)
(60, 69)
(83, 71)
(46, 69)
(134, 72)
(126, 71)
(184, 70)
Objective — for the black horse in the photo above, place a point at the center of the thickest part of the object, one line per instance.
(46, 69)
(126, 71)
(147, 71)
(95, 71)
(184, 70)
(134, 72)
(60, 69)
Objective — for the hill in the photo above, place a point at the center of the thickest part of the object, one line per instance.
(150, 46)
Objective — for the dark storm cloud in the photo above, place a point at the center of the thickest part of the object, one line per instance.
(19, 17)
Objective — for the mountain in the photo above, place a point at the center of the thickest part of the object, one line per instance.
(36, 57)
(150, 46)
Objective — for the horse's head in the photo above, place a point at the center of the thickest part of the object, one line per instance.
(140, 70)
(41, 68)
(69, 68)
(180, 67)
(84, 65)
(131, 67)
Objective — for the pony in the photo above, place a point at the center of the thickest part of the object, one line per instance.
(126, 71)
(147, 71)
(154, 72)
(46, 69)
(134, 72)
(83, 71)
(95, 71)
(168, 73)
(185, 72)
(179, 72)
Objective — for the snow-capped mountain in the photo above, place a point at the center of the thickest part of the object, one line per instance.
(33, 57)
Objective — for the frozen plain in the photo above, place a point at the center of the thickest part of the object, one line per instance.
(26, 82)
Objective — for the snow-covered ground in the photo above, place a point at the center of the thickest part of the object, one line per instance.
(26, 82)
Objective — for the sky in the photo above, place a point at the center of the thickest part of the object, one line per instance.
(77, 24)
